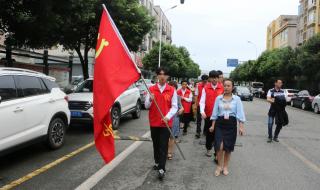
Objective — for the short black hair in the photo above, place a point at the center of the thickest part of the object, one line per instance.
(275, 81)
(220, 72)
(204, 77)
(158, 71)
(174, 84)
(184, 81)
(213, 74)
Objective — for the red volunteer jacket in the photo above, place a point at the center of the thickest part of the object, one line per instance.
(211, 95)
(200, 88)
(164, 101)
(186, 105)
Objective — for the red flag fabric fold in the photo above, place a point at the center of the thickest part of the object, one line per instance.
(114, 72)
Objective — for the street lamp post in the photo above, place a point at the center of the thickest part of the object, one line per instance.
(160, 32)
(255, 46)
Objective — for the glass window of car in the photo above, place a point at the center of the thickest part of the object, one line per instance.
(86, 86)
(304, 93)
(243, 90)
(30, 86)
(293, 91)
(7, 88)
(50, 84)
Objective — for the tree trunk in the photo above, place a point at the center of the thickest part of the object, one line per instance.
(84, 65)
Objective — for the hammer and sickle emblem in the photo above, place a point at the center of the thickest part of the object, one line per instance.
(107, 131)
(104, 43)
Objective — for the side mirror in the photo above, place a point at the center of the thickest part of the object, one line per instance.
(0, 99)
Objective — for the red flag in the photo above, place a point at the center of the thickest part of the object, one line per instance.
(114, 72)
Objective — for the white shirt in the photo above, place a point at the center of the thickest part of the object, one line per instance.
(189, 99)
(202, 102)
(174, 102)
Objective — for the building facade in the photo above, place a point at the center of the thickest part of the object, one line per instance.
(308, 20)
(282, 32)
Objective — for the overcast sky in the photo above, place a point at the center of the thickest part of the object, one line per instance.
(214, 30)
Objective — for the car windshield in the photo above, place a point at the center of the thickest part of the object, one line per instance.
(243, 89)
(257, 85)
(86, 86)
(293, 91)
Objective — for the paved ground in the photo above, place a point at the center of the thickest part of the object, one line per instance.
(294, 163)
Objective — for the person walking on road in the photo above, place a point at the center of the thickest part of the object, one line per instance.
(277, 113)
(186, 100)
(228, 112)
(175, 124)
(221, 78)
(198, 93)
(209, 94)
(166, 97)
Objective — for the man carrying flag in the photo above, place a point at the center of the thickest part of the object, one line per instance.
(166, 97)
(112, 60)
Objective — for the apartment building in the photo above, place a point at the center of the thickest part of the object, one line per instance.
(308, 20)
(282, 32)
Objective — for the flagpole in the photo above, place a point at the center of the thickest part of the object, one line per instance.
(144, 82)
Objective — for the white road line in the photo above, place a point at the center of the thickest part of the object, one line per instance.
(105, 170)
(302, 158)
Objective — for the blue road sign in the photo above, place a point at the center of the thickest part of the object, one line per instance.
(232, 62)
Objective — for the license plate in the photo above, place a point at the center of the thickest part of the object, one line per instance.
(76, 114)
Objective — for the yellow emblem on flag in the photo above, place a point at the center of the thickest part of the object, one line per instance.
(104, 43)
(107, 131)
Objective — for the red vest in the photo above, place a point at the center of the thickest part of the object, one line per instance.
(211, 95)
(200, 88)
(186, 105)
(164, 101)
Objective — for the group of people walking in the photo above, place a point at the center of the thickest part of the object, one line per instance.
(221, 110)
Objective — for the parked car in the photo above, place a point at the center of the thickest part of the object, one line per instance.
(143, 91)
(244, 93)
(316, 104)
(32, 107)
(290, 93)
(302, 100)
(81, 104)
(256, 88)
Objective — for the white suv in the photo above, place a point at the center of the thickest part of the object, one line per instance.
(81, 104)
(32, 106)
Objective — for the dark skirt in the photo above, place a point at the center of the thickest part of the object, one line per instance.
(226, 132)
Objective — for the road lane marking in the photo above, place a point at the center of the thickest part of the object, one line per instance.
(45, 168)
(310, 164)
(105, 170)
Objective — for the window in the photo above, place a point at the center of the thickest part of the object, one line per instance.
(50, 84)
(30, 86)
(7, 88)
(86, 86)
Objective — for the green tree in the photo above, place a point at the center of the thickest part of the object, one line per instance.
(71, 23)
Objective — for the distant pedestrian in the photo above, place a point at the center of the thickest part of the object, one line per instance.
(198, 93)
(209, 94)
(175, 125)
(221, 77)
(228, 112)
(277, 112)
(166, 97)
(186, 100)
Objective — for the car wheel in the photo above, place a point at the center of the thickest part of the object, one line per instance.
(316, 109)
(292, 104)
(137, 112)
(116, 114)
(56, 133)
(303, 106)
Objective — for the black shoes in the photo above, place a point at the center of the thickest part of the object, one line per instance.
(197, 135)
(155, 167)
(276, 139)
(161, 174)
(184, 133)
(269, 140)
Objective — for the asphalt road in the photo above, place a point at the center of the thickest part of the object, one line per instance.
(294, 163)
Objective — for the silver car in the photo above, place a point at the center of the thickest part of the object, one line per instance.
(316, 104)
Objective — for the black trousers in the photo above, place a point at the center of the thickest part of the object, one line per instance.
(160, 138)
(209, 135)
(186, 118)
(199, 120)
